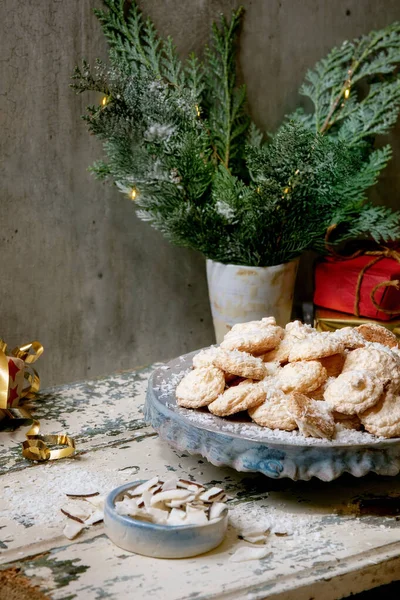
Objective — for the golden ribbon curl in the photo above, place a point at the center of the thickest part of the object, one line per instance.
(380, 253)
(36, 446)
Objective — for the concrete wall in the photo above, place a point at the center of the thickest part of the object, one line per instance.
(100, 289)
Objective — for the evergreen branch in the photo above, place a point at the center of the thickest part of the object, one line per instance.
(375, 115)
(225, 103)
(328, 85)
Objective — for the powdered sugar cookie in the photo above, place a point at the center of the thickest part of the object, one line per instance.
(333, 364)
(312, 417)
(205, 357)
(383, 419)
(294, 331)
(302, 376)
(256, 337)
(377, 359)
(200, 387)
(354, 392)
(241, 364)
(372, 332)
(272, 412)
(316, 345)
(350, 337)
(347, 421)
(238, 398)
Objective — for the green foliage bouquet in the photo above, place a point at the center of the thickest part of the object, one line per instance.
(179, 143)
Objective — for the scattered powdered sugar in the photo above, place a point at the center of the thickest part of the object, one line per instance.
(264, 434)
(168, 386)
(43, 506)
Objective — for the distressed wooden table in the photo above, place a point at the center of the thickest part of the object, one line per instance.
(327, 550)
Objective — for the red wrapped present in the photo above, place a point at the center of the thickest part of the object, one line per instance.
(367, 285)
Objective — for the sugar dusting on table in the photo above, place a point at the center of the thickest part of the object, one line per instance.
(56, 480)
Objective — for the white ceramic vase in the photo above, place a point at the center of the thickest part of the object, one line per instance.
(239, 294)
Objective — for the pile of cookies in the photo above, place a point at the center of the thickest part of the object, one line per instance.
(299, 378)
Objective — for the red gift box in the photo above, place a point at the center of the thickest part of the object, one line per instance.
(363, 286)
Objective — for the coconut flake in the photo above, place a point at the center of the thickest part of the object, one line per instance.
(94, 518)
(195, 516)
(216, 510)
(143, 487)
(212, 494)
(245, 553)
(170, 495)
(72, 529)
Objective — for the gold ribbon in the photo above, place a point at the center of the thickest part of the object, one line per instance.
(36, 447)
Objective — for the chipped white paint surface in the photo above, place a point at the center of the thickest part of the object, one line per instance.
(326, 554)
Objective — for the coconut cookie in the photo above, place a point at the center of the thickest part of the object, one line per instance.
(238, 398)
(255, 337)
(351, 338)
(376, 333)
(354, 392)
(383, 419)
(272, 413)
(200, 387)
(205, 358)
(301, 376)
(241, 364)
(316, 345)
(312, 417)
(377, 359)
(294, 331)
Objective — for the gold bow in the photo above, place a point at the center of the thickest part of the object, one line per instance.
(36, 447)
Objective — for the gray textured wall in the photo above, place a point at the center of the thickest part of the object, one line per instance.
(100, 289)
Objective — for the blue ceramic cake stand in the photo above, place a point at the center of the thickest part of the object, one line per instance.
(238, 443)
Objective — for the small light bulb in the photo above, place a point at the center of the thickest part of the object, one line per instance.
(133, 194)
(258, 190)
(197, 110)
(297, 172)
(286, 190)
(347, 93)
(104, 101)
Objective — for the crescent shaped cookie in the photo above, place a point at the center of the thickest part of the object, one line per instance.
(316, 346)
(200, 387)
(301, 376)
(241, 364)
(294, 331)
(238, 398)
(272, 412)
(383, 419)
(350, 337)
(312, 417)
(354, 392)
(256, 337)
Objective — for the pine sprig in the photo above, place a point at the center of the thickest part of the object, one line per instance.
(329, 84)
(225, 102)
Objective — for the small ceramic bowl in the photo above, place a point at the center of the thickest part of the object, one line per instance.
(159, 541)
